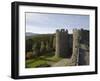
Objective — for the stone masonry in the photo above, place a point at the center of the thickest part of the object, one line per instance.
(79, 44)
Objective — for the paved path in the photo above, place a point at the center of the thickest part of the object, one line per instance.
(64, 62)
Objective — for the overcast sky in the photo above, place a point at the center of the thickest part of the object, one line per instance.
(48, 23)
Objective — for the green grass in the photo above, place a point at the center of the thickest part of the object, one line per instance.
(42, 60)
(36, 64)
(54, 58)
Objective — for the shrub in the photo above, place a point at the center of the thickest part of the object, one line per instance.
(29, 55)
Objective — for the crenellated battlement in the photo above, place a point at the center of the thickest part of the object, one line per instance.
(61, 30)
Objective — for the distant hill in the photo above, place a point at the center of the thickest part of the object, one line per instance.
(30, 35)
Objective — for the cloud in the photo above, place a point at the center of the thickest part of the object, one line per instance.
(43, 23)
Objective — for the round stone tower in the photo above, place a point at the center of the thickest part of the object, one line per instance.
(80, 54)
(76, 45)
(62, 43)
(58, 37)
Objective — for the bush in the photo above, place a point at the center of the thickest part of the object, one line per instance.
(29, 55)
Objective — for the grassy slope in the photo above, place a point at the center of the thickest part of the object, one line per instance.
(42, 60)
(46, 58)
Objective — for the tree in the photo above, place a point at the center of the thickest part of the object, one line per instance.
(42, 47)
(29, 44)
(47, 46)
(54, 43)
(51, 41)
(35, 49)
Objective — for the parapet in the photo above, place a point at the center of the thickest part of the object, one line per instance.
(62, 30)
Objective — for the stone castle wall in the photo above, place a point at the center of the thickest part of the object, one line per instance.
(84, 48)
(78, 43)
